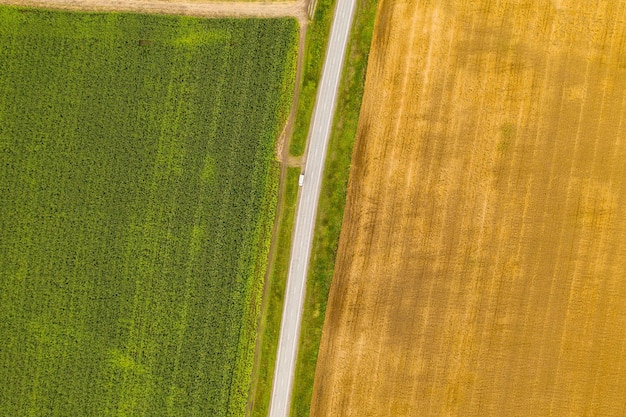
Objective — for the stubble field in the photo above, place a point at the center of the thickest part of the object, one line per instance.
(483, 252)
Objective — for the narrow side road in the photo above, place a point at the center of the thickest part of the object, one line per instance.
(319, 135)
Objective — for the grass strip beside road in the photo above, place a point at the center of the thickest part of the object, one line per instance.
(331, 205)
(316, 41)
(277, 281)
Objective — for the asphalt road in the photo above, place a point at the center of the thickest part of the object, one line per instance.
(319, 134)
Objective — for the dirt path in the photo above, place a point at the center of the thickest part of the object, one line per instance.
(297, 9)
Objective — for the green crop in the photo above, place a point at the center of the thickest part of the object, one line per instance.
(137, 191)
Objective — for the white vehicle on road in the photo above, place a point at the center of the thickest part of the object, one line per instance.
(301, 180)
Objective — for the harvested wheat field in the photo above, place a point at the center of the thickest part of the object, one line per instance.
(482, 264)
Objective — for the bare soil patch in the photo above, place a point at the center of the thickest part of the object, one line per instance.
(481, 265)
(297, 9)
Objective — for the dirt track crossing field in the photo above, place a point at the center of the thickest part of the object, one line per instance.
(196, 8)
(482, 260)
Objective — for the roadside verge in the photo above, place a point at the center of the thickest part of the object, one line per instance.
(331, 204)
(313, 45)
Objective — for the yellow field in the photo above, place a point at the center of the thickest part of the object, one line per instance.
(482, 263)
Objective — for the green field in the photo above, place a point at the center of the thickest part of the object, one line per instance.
(137, 191)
